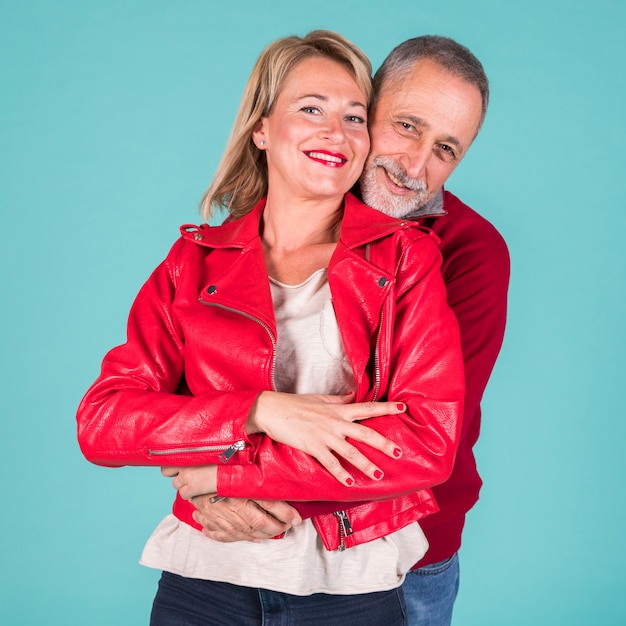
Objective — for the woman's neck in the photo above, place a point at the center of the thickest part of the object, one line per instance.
(299, 236)
(289, 224)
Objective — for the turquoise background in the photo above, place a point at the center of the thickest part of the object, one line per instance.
(113, 116)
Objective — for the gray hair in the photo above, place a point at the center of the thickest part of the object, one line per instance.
(449, 54)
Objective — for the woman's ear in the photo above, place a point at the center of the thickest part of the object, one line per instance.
(259, 135)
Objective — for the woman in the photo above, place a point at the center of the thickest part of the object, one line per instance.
(304, 291)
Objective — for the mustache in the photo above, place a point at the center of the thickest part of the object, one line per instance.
(387, 163)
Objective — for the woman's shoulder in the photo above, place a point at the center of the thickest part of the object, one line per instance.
(231, 232)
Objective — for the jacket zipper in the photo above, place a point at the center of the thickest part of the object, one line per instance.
(377, 361)
(263, 325)
(226, 452)
(345, 529)
(231, 450)
(376, 373)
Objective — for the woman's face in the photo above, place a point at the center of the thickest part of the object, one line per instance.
(316, 138)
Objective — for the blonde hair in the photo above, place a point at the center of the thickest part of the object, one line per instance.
(240, 180)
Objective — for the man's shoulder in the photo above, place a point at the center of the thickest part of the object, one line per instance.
(460, 214)
(462, 225)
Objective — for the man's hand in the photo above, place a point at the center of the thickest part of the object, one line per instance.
(238, 519)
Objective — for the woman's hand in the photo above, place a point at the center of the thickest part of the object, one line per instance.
(320, 426)
(192, 481)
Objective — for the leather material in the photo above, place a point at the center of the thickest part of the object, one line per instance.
(200, 348)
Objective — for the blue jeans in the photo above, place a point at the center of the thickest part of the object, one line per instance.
(430, 592)
(191, 602)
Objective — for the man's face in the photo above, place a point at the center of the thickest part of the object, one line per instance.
(420, 129)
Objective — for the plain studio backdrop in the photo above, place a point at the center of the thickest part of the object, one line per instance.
(113, 115)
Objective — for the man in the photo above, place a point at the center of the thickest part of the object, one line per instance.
(431, 96)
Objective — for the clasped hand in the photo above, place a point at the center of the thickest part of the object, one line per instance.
(318, 425)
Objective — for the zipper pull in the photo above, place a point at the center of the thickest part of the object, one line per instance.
(345, 528)
(229, 452)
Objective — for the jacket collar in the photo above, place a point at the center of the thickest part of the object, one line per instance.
(360, 225)
(230, 234)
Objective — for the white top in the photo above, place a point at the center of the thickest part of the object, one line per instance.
(310, 358)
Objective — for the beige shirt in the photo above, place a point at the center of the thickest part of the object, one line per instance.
(310, 358)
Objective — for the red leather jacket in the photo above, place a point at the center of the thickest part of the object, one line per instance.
(204, 323)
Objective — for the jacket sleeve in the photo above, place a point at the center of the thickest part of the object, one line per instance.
(426, 373)
(135, 413)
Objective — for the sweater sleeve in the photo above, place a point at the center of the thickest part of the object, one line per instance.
(476, 270)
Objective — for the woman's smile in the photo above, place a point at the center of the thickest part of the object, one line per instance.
(327, 158)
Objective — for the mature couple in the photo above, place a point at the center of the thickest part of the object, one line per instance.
(302, 364)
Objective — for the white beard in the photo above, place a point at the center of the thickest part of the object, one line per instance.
(376, 196)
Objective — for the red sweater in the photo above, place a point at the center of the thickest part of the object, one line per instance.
(475, 270)
(476, 273)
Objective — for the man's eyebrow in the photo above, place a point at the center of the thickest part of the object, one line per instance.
(454, 141)
(418, 122)
(421, 123)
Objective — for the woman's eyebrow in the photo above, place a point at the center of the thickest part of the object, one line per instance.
(318, 96)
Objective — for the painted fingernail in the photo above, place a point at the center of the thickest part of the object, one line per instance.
(400, 406)
(397, 452)
(378, 474)
(349, 482)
